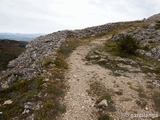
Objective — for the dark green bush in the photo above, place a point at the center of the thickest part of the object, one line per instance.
(128, 45)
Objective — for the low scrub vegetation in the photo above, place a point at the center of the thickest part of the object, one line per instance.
(97, 89)
(127, 45)
(156, 99)
(64, 51)
(68, 47)
(19, 92)
(60, 62)
(105, 117)
(55, 90)
(52, 107)
(115, 49)
(47, 61)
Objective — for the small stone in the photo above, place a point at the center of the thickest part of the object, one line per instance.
(31, 117)
(11, 79)
(97, 52)
(26, 111)
(44, 85)
(4, 85)
(94, 57)
(26, 106)
(83, 107)
(146, 108)
(7, 102)
(57, 79)
(15, 118)
(75, 76)
(120, 92)
(46, 79)
(103, 104)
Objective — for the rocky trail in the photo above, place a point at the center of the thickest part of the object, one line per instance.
(81, 106)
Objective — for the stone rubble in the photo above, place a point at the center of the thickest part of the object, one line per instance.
(31, 106)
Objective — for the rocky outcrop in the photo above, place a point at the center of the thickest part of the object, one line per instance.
(154, 53)
(154, 17)
(148, 35)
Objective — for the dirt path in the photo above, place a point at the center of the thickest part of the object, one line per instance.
(80, 106)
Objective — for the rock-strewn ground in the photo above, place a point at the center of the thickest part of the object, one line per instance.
(80, 105)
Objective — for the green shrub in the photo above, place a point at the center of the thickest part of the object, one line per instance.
(47, 61)
(60, 62)
(59, 107)
(128, 45)
(68, 47)
(48, 105)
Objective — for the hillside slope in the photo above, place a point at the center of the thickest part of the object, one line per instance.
(9, 50)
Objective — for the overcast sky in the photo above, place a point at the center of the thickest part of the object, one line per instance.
(47, 16)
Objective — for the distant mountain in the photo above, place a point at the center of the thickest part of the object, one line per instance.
(9, 50)
(19, 36)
